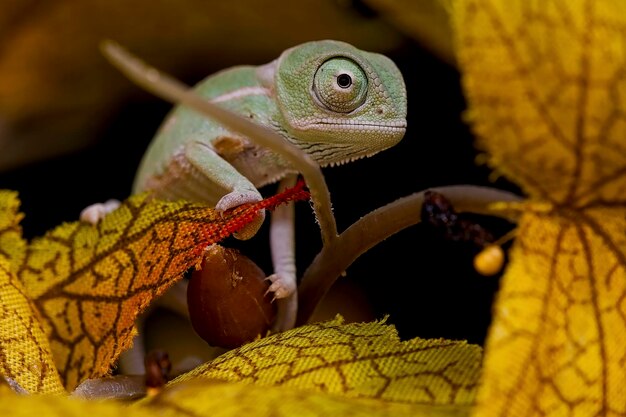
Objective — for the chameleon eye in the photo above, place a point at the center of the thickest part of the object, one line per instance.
(344, 80)
(340, 85)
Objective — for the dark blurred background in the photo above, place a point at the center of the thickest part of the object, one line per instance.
(72, 131)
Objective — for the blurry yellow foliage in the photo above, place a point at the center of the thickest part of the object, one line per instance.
(220, 399)
(15, 405)
(546, 84)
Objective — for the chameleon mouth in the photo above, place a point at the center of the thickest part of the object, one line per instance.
(333, 152)
(393, 126)
(348, 159)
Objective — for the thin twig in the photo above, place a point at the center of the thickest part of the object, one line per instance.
(174, 91)
(376, 226)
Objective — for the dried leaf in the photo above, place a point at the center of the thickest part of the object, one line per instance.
(355, 360)
(90, 282)
(25, 355)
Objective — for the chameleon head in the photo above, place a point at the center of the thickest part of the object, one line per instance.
(339, 103)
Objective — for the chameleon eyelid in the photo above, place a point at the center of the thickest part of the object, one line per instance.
(315, 94)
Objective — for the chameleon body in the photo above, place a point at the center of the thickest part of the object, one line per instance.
(330, 99)
(299, 96)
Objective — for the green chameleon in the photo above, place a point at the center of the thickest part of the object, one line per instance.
(330, 99)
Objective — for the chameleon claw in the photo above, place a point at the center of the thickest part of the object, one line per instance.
(281, 287)
(236, 198)
(96, 212)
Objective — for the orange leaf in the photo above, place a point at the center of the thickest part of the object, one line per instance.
(91, 282)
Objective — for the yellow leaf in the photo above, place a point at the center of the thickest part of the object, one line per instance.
(354, 360)
(12, 245)
(220, 399)
(546, 82)
(89, 283)
(24, 350)
(557, 345)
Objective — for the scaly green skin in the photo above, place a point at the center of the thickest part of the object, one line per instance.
(281, 95)
(183, 126)
(335, 102)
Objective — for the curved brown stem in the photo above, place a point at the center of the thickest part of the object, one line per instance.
(336, 256)
(174, 91)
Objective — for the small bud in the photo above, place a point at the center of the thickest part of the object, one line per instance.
(489, 261)
(227, 301)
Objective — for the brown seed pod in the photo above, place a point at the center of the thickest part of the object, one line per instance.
(227, 301)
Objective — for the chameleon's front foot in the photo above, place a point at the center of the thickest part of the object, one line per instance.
(236, 198)
(96, 212)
